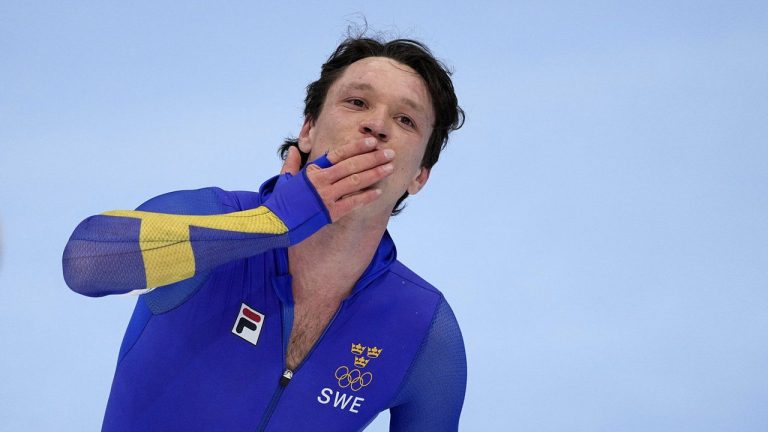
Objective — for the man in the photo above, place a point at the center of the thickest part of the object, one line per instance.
(287, 309)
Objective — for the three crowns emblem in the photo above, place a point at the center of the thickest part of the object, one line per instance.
(370, 353)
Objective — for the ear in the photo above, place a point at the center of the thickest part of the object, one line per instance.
(419, 181)
(305, 135)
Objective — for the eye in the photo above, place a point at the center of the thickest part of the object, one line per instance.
(356, 102)
(407, 121)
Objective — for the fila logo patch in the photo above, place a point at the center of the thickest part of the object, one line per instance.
(248, 324)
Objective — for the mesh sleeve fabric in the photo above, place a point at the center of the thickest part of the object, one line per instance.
(126, 250)
(432, 393)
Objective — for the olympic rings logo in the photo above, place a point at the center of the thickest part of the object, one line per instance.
(354, 379)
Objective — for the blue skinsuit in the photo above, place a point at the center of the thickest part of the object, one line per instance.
(394, 343)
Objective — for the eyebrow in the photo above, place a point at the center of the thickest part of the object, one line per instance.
(367, 87)
(359, 86)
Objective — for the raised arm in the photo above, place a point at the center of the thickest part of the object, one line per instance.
(121, 251)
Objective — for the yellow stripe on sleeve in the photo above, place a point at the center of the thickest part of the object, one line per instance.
(166, 247)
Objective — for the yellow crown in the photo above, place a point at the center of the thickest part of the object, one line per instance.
(357, 349)
(374, 352)
(361, 362)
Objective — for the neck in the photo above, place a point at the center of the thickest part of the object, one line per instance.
(326, 266)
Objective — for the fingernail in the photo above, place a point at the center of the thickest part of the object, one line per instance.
(388, 168)
(370, 142)
(389, 153)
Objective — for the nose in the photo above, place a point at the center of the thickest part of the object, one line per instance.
(375, 126)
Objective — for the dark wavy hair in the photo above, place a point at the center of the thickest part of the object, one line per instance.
(448, 114)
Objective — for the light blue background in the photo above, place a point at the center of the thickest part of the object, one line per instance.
(600, 225)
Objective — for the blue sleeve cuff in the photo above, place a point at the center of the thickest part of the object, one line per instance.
(322, 161)
(296, 202)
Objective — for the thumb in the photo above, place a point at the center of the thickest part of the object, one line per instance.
(292, 162)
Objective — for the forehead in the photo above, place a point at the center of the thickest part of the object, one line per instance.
(387, 77)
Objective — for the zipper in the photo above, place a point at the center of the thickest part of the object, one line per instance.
(287, 375)
(285, 379)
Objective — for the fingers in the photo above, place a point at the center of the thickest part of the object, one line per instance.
(359, 163)
(358, 181)
(292, 162)
(352, 149)
(347, 185)
(351, 202)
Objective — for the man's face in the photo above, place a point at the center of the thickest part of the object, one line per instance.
(381, 98)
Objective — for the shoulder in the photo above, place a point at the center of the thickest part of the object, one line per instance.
(410, 278)
(444, 322)
(414, 284)
(205, 201)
